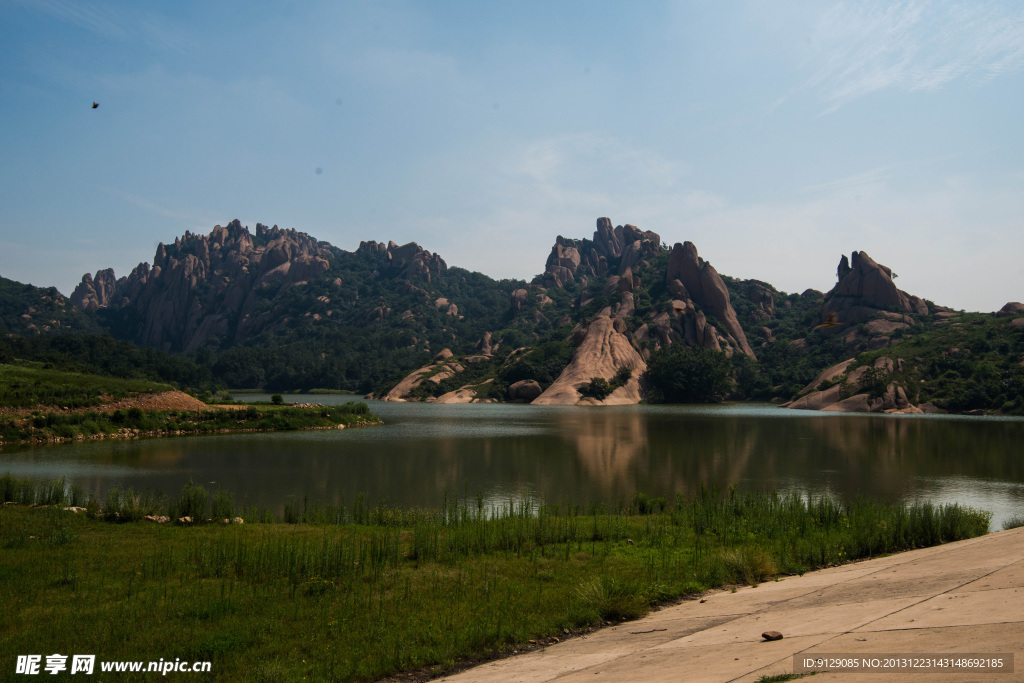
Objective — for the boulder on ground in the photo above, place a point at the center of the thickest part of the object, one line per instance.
(1010, 309)
(525, 390)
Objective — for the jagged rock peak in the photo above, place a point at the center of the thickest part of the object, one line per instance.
(203, 286)
(864, 289)
(414, 260)
(699, 279)
(621, 246)
(95, 292)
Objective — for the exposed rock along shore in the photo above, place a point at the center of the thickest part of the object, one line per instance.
(841, 388)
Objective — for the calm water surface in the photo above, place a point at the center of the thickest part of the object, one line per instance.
(563, 454)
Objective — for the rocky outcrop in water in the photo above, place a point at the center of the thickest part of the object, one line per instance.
(852, 388)
(524, 391)
(442, 367)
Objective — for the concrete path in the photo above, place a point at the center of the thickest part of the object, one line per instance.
(956, 599)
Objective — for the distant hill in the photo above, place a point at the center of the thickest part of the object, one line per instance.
(28, 310)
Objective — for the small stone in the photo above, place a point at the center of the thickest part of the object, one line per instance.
(771, 635)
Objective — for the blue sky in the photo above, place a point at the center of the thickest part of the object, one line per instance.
(776, 136)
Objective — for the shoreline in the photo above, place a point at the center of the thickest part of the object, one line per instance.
(137, 434)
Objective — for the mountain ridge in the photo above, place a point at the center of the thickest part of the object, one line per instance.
(280, 309)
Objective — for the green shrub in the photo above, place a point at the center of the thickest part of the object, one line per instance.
(613, 599)
(223, 505)
(598, 388)
(684, 374)
(1013, 522)
(192, 502)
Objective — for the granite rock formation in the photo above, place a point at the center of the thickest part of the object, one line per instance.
(1012, 308)
(205, 288)
(601, 350)
(690, 276)
(865, 290)
(95, 292)
(842, 388)
(620, 247)
(524, 391)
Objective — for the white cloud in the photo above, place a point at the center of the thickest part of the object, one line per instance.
(862, 47)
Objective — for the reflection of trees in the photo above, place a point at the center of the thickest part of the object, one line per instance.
(564, 454)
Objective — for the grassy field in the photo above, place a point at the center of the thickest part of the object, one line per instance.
(30, 384)
(52, 426)
(358, 592)
(62, 400)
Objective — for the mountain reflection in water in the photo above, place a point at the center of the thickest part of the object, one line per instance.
(562, 454)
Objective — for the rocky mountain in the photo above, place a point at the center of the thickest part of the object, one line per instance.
(278, 309)
(215, 289)
(206, 286)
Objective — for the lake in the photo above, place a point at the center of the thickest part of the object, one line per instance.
(568, 454)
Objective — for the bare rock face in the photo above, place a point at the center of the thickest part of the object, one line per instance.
(826, 391)
(518, 300)
(600, 352)
(1010, 309)
(440, 369)
(411, 260)
(624, 245)
(524, 391)
(465, 394)
(705, 286)
(204, 286)
(562, 262)
(866, 289)
(95, 292)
